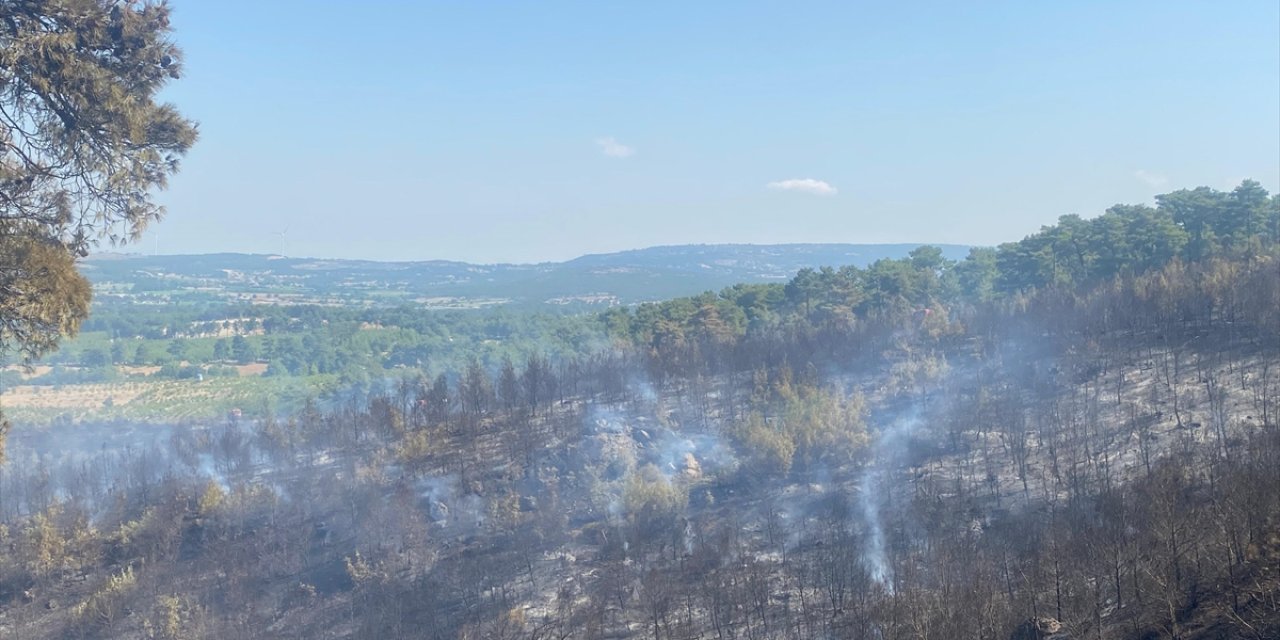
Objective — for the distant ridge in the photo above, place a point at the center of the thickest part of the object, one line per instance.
(953, 251)
(623, 277)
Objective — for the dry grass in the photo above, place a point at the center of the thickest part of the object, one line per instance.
(160, 400)
(80, 396)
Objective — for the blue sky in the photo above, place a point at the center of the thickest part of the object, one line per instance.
(541, 131)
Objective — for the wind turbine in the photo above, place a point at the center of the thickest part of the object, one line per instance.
(282, 235)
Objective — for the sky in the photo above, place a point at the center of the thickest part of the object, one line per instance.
(525, 132)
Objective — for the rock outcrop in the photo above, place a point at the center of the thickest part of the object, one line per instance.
(1040, 629)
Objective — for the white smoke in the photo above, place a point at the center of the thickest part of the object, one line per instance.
(886, 455)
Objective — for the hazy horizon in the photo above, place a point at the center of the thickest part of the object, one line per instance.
(139, 251)
(543, 133)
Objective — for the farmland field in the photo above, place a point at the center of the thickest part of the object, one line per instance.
(145, 400)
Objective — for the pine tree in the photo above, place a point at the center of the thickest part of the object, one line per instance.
(83, 146)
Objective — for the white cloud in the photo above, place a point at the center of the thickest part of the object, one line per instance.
(805, 185)
(614, 149)
(1151, 179)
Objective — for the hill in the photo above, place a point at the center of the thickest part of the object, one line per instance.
(590, 281)
(1074, 435)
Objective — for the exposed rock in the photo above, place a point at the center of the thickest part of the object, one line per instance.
(1041, 628)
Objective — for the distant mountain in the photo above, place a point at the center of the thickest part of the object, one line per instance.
(593, 280)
